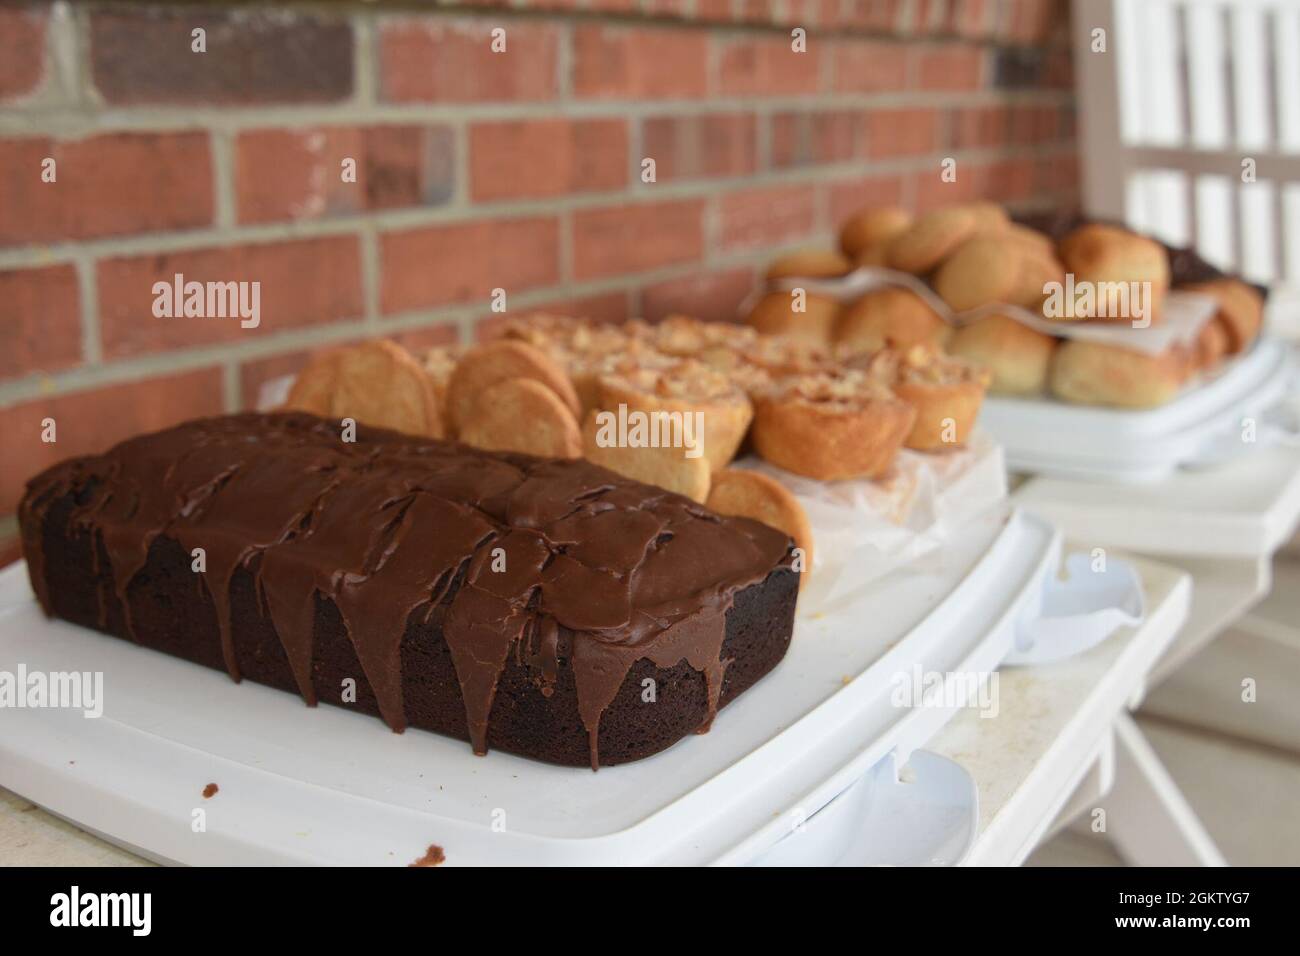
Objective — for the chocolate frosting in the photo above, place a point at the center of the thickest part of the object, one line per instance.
(390, 525)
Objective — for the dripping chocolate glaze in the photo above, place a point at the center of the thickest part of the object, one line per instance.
(383, 526)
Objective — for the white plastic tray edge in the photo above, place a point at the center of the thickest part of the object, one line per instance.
(164, 834)
(1053, 438)
(912, 727)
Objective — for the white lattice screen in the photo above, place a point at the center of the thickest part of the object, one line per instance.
(1186, 92)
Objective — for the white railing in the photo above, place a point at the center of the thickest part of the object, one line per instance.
(1190, 126)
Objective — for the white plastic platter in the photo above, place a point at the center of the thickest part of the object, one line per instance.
(1244, 509)
(1201, 428)
(325, 786)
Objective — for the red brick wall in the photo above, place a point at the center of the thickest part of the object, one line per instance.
(476, 170)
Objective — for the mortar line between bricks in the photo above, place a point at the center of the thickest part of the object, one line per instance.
(230, 386)
(365, 62)
(222, 149)
(449, 214)
(82, 121)
(92, 350)
(65, 48)
(463, 315)
(371, 272)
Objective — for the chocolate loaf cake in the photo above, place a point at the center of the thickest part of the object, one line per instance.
(549, 608)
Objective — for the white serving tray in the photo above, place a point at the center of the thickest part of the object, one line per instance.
(1200, 428)
(325, 786)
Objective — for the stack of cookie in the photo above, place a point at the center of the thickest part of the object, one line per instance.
(974, 257)
(671, 404)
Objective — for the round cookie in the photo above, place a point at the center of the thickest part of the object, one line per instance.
(497, 361)
(521, 415)
(751, 494)
(663, 467)
(313, 388)
(376, 383)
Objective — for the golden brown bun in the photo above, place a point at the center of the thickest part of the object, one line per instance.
(1098, 253)
(980, 271)
(1241, 310)
(931, 239)
(1090, 373)
(872, 229)
(832, 426)
(810, 264)
(774, 315)
(888, 318)
(947, 394)
(1016, 356)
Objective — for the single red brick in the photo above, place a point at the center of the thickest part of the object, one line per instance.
(848, 196)
(1058, 173)
(951, 66)
(713, 11)
(1034, 124)
(970, 18)
(805, 138)
(696, 147)
(766, 216)
(980, 127)
(762, 66)
(713, 296)
(526, 159)
(1033, 21)
(606, 307)
(875, 15)
(1002, 180)
(91, 421)
(637, 237)
(465, 261)
(144, 55)
(902, 132)
(105, 185)
(615, 62)
(22, 51)
(302, 282)
(867, 66)
(298, 173)
(452, 60)
(40, 320)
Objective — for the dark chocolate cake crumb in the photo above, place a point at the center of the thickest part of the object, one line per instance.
(432, 857)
